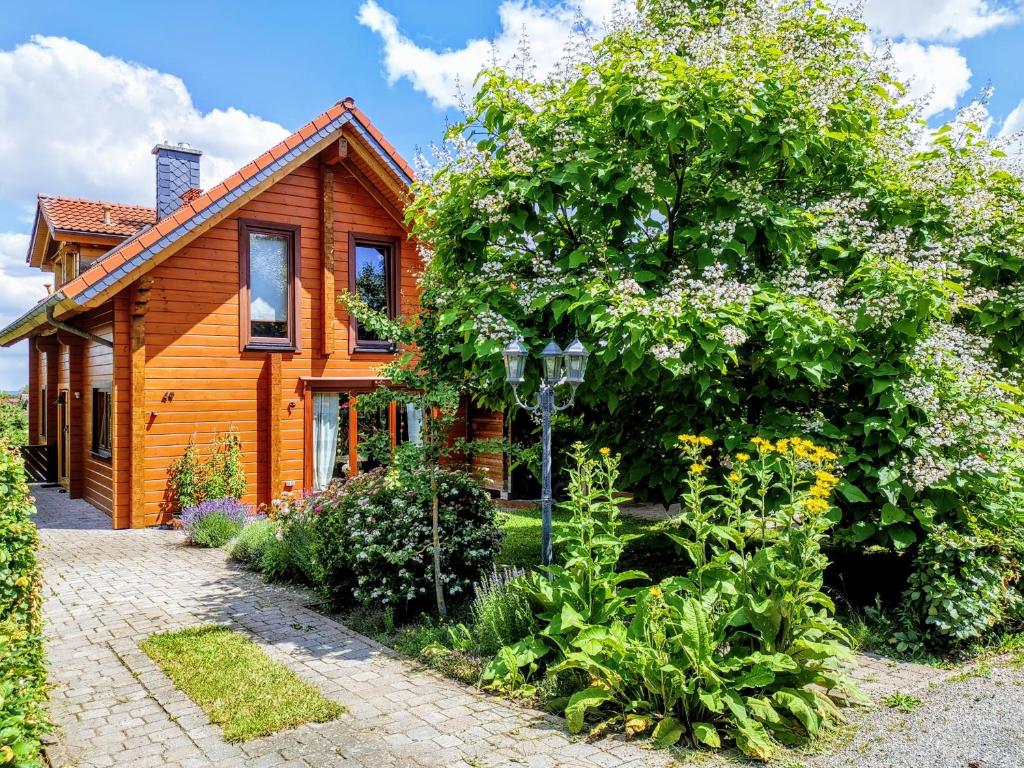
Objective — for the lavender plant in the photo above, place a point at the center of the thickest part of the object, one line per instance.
(215, 522)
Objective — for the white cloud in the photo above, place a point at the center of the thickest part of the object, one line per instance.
(936, 73)
(20, 285)
(1014, 122)
(76, 122)
(441, 74)
(946, 20)
(20, 288)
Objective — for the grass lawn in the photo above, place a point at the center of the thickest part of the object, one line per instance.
(235, 683)
(521, 545)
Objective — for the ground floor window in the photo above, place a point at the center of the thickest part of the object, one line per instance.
(347, 440)
(101, 443)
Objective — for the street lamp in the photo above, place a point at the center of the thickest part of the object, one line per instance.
(557, 367)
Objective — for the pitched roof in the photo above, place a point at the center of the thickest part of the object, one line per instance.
(117, 268)
(94, 216)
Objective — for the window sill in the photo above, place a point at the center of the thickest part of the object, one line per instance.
(390, 349)
(257, 347)
(103, 454)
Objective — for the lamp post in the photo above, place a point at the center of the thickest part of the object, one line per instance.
(558, 367)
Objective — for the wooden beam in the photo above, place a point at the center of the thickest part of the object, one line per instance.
(137, 308)
(335, 152)
(273, 463)
(76, 415)
(360, 176)
(327, 260)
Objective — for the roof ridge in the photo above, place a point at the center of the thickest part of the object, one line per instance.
(65, 198)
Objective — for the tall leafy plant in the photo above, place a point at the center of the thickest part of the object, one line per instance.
(744, 646)
(221, 475)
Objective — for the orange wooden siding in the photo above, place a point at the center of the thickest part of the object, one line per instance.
(199, 383)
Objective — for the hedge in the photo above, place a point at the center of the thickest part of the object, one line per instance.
(23, 717)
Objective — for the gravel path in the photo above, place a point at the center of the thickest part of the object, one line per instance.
(974, 721)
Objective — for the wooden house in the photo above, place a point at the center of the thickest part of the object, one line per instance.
(218, 310)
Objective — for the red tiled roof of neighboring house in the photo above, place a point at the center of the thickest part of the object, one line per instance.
(95, 216)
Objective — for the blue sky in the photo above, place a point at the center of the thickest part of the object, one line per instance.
(87, 88)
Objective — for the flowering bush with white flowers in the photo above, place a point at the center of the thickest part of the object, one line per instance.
(735, 203)
(374, 536)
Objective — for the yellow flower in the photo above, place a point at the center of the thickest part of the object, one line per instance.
(742, 458)
(655, 591)
(820, 491)
(764, 446)
(815, 505)
(826, 479)
(705, 441)
(697, 468)
(605, 451)
(735, 477)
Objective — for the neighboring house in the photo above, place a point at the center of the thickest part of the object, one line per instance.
(218, 310)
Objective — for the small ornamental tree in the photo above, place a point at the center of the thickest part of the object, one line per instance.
(733, 199)
(409, 381)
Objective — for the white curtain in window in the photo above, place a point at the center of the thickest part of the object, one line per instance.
(414, 417)
(325, 436)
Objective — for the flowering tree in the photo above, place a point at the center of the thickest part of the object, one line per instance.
(734, 200)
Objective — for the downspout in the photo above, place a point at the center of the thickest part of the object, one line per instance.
(62, 326)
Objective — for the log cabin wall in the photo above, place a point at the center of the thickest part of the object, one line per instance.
(198, 382)
(95, 468)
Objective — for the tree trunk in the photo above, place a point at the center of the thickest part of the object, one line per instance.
(442, 611)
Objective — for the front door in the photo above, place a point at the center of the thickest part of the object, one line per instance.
(63, 438)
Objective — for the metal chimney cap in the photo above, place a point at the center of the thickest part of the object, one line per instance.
(176, 148)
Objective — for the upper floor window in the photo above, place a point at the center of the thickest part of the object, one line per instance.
(268, 270)
(373, 276)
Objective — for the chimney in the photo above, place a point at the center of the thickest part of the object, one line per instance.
(177, 171)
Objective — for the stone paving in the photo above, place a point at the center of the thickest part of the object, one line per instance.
(106, 590)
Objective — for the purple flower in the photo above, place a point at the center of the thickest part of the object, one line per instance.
(231, 508)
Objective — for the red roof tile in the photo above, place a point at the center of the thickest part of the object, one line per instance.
(78, 215)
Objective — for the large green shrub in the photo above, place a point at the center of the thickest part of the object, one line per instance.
(743, 647)
(14, 423)
(22, 663)
(733, 202)
(375, 542)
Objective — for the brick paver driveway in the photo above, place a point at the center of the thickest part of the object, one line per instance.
(106, 590)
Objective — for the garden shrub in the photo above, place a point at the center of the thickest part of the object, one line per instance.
(22, 661)
(374, 541)
(14, 424)
(743, 647)
(763, 235)
(962, 587)
(500, 612)
(215, 522)
(220, 475)
(252, 541)
(292, 555)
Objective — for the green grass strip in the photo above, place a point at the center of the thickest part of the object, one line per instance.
(522, 527)
(235, 683)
